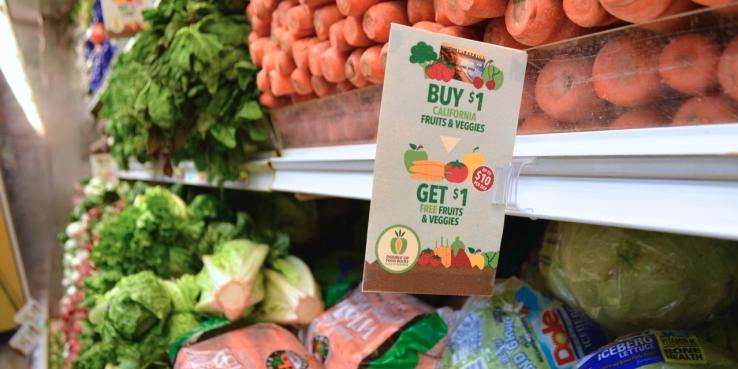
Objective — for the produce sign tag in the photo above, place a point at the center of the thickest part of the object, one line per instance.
(123, 18)
(447, 122)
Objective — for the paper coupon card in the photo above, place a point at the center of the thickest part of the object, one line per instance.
(447, 120)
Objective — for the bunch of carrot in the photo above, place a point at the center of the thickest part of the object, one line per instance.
(635, 82)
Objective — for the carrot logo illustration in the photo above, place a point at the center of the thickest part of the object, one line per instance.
(282, 359)
(399, 243)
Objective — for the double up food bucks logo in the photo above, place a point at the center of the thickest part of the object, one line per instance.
(448, 119)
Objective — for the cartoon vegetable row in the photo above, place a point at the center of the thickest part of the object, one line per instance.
(420, 168)
(634, 77)
(457, 255)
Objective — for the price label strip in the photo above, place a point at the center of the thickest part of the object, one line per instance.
(447, 127)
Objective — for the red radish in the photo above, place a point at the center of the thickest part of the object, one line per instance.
(377, 20)
(564, 90)
(532, 22)
(689, 64)
(458, 31)
(371, 65)
(728, 69)
(352, 69)
(332, 61)
(262, 81)
(300, 21)
(624, 72)
(338, 36)
(639, 118)
(484, 8)
(496, 33)
(322, 87)
(705, 110)
(355, 8)
(301, 82)
(300, 51)
(428, 26)
(354, 33)
(588, 13)
(324, 18)
(285, 64)
(280, 84)
(420, 10)
(459, 16)
(314, 54)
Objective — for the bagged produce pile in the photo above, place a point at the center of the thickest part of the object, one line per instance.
(260, 346)
(654, 349)
(520, 328)
(378, 330)
(630, 280)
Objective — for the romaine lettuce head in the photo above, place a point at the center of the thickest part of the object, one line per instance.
(631, 280)
(292, 295)
(137, 304)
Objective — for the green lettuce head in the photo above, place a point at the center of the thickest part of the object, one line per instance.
(137, 304)
(630, 280)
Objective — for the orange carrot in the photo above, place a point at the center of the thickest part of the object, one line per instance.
(668, 26)
(420, 10)
(459, 16)
(262, 81)
(712, 2)
(728, 69)
(296, 99)
(441, 9)
(484, 8)
(271, 101)
(260, 27)
(338, 36)
(300, 79)
(354, 33)
(538, 123)
(263, 9)
(324, 18)
(280, 84)
(314, 54)
(638, 118)
(528, 100)
(564, 90)
(250, 12)
(269, 63)
(286, 41)
(459, 31)
(344, 86)
(277, 33)
(588, 13)
(371, 65)
(355, 8)
(636, 11)
(321, 86)
(566, 29)
(332, 61)
(257, 49)
(377, 20)
(532, 22)
(314, 4)
(625, 73)
(276, 21)
(352, 69)
(284, 63)
(252, 37)
(300, 21)
(282, 9)
(428, 26)
(496, 33)
(300, 51)
(704, 110)
(383, 54)
(688, 64)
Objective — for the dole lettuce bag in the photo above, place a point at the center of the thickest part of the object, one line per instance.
(655, 349)
(520, 328)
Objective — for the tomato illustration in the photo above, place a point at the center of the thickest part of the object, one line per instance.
(456, 172)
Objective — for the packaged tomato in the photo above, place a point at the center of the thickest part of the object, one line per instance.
(260, 346)
(379, 330)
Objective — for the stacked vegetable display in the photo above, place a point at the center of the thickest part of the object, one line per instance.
(161, 267)
(186, 91)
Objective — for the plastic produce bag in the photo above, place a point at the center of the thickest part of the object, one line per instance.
(630, 280)
(655, 349)
(260, 346)
(520, 328)
(377, 330)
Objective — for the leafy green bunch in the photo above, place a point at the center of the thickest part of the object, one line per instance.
(186, 90)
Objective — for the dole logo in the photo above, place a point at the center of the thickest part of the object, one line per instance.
(563, 351)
